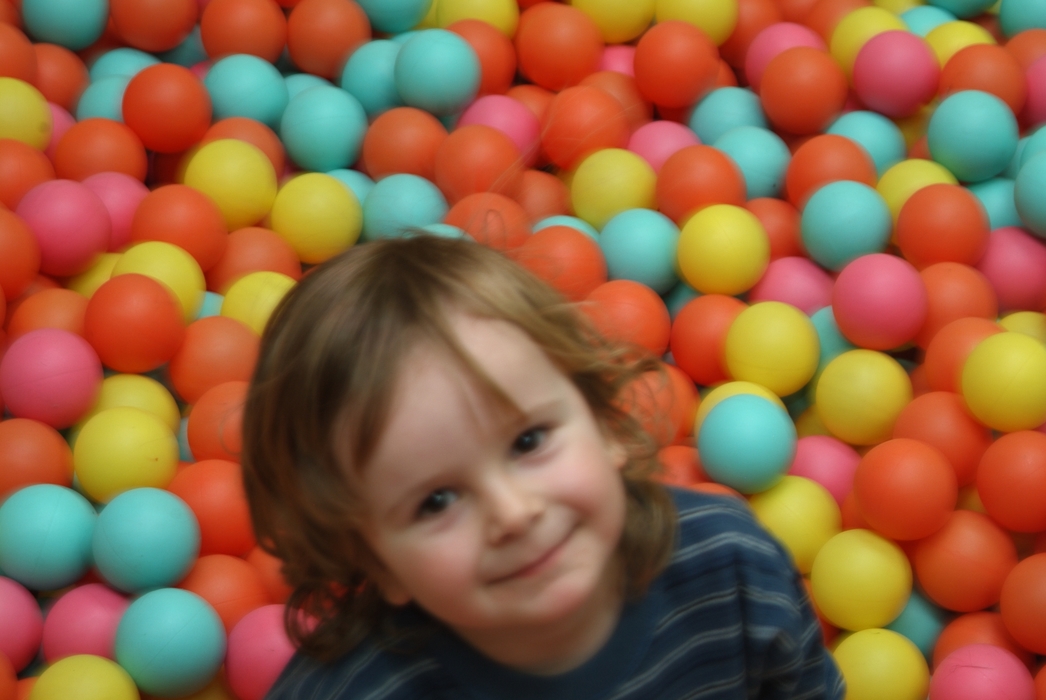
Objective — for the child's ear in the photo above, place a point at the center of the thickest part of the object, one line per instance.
(618, 454)
(391, 589)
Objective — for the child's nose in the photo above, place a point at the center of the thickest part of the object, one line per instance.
(511, 508)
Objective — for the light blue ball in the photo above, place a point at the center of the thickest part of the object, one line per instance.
(74, 24)
(640, 245)
(963, 9)
(678, 297)
(242, 85)
(996, 195)
(323, 128)
(145, 538)
(876, 134)
(124, 62)
(45, 536)
(171, 642)
(445, 231)
(399, 203)
(1028, 194)
(404, 37)
(299, 82)
(1014, 166)
(831, 339)
(1029, 147)
(843, 221)
(189, 52)
(211, 306)
(184, 451)
(725, 109)
(925, 18)
(393, 16)
(761, 156)
(1017, 15)
(358, 183)
(571, 221)
(103, 99)
(921, 622)
(747, 443)
(369, 76)
(973, 134)
(437, 71)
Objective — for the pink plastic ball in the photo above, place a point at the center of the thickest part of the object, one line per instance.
(70, 224)
(982, 672)
(773, 40)
(61, 122)
(510, 117)
(83, 621)
(258, 651)
(657, 141)
(50, 375)
(796, 281)
(1015, 265)
(121, 194)
(879, 302)
(896, 73)
(23, 624)
(1034, 112)
(620, 59)
(201, 69)
(828, 461)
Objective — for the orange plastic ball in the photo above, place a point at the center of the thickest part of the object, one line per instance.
(252, 249)
(17, 58)
(322, 34)
(753, 16)
(942, 223)
(49, 308)
(558, 45)
(229, 584)
(134, 323)
(851, 514)
(403, 140)
(19, 256)
(963, 565)
(543, 195)
(8, 680)
(1028, 46)
(492, 219)
(153, 25)
(906, 489)
(954, 291)
(215, 429)
(565, 258)
(981, 627)
(22, 168)
(254, 133)
(988, 68)
(269, 568)
(941, 419)
(1011, 481)
(497, 55)
(99, 146)
(213, 490)
(623, 88)
(216, 349)
(947, 351)
(802, 90)
(185, 217)
(825, 15)
(580, 121)
(1023, 603)
(824, 159)
(32, 452)
(61, 76)
(781, 221)
(676, 64)
(680, 466)
(695, 177)
(664, 403)
(168, 107)
(478, 158)
(698, 336)
(255, 27)
(630, 312)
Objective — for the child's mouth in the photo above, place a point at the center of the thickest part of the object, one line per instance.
(539, 565)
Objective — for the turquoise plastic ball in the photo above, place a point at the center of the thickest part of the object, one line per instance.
(1017, 15)
(678, 297)
(761, 156)
(299, 82)
(963, 9)
(997, 197)
(571, 221)
(369, 76)
(876, 134)
(921, 621)
(357, 182)
(843, 221)
(747, 443)
(394, 16)
(45, 536)
(400, 203)
(831, 339)
(189, 52)
(1027, 194)
(103, 99)
(184, 451)
(145, 538)
(725, 109)
(211, 306)
(437, 71)
(74, 24)
(973, 134)
(124, 62)
(445, 231)
(323, 128)
(171, 642)
(1028, 147)
(925, 18)
(247, 86)
(640, 245)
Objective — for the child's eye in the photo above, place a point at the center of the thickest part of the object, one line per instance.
(529, 440)
(436, 502)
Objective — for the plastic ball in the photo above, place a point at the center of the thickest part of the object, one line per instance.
(895, 73)
(984, 672)
(950, 38)
(476, 159)
(322, 34)
(84, 677)
(20, 255)
(269, 568)
(580, 121)
(170, 265)
(843, 221)
(659, 140)
(568, 260)
(121, 62)
(252, 250)
(675, 64)
(369, 76)
(258, 651)
(213, 489)
(882, 663)
(123, 448)
(214, 428)
(403, 140)
(83, 621)
(801, 514)
(724, 109)
(940, 419)
(48, 308)
(973, 134)
(229, 585)
(185, 217)
(70, 224)
(1030, 323)
(829, 337)
(640, 245)
(395, 17)
(168, 107)
(22, 168)
(795, 281)
(825, 159)
(246, 86)
(987, 68)
(954, 291)
(32, 453)
(159, 26)
(860, 394)
(773, 344)
(72, 25)
(827, 461)
(20, 639)
(99, 146)
(1023, 605)
(857, 29)
(630, 312)
(802, 90)
(1004, 382)
(399, 204)
(761, 156)
(664, 402)
(609, 182)
(699, 335)
(237, 177)
(908, 177)
(947, 352)
(45, 536)
(772, 41)
(491, 219)
(252, 298)
(921, 622)
(558, 45)
(137, 391)
(255, 27)
(357, 183)
(543, 195)
(121, 194)
(215, 350)
(620, 21)
(438, 71)
(727, 389)
(496, 54)
(879, 136)
(942, 223)
(723, 249)
(317, 215)
(322, 129)
(921, 19)
(747, 443)
(1032, 174)
(879, 302)
(695, 177)
(996, 196)
(1011, 481)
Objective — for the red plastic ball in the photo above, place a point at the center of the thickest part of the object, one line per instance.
(229, 584)
(255, 27)
(185, 217)
(17, 59)
(695, 177)
(168, 107)
(941, 419)
(753, 16)
(698, 336)
(543, 195)
(824, 159)
(803, 90)
(403, 140)
(623, 88)
(950, 346)
(981, 627)
(675, 64)
(780, 220)
(942, 223)
(22, 168)
(19, 255)
(98, 146)
(665, 404)
(1023, 603)
(252, 132)
(492, 219)
(1011, 481)
(61, 76)
(213, 490)
(630, 312)
(252, 249)
(49, 308)
(557, 45)
(153, 25)
(269, 568)
(322, 34)
(680, 466)
(32, 453)
(567, 259)
(497, 55)
(476, 159)
(215, 429)
(579, 121)
(988, 68)
(954, 291)
(216, 350)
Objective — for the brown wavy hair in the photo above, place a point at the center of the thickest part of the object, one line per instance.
(319, 401)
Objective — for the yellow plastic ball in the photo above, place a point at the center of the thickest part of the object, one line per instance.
(1004, 382)
(124, 448)
(855, 29)
(773, 344)
(860, 394)
(801, 514)
(809, 423)
(429, 21)
(252, 298)
(169, 265)
(237, 176)
(84, 677)
(950, 38)
(317, 215)
(609, 182)
(717, 18)
(1030, 323)
(860, 580)
(87, 283)
(723, 249)
(906, 178)
(878, 663)
(619, 21)
(914, 127)
(898, 6)
(24, 114)
(726, 390)
(137, 391)
(502, 14)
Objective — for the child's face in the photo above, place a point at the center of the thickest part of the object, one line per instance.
(489, 520)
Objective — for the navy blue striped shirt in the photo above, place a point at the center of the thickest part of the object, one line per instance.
(728, 619)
